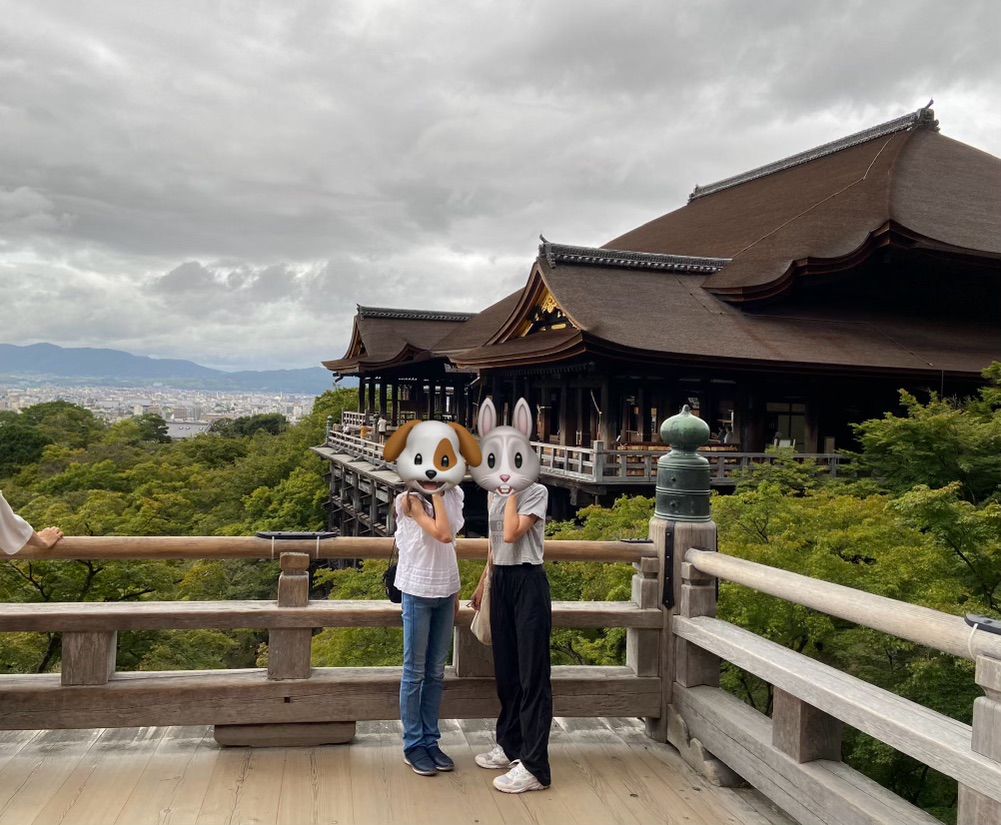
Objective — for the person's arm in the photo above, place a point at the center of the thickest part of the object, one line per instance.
(46, 539)
(515, 525)
(16, 533)
(437, 527)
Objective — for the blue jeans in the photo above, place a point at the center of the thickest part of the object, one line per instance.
(427, 638)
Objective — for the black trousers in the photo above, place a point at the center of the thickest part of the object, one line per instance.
(521, 622)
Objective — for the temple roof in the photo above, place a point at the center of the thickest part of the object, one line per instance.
(656, 318)
(384, 337)
(476, 332)
(901, 182)
(775, 267)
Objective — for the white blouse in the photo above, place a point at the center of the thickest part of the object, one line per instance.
(14, 530)
(428, 567)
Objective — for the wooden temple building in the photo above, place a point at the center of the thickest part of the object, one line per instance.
(783, 304)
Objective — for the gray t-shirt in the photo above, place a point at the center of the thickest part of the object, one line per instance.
(532, 501)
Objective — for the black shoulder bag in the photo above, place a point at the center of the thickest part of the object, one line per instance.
(393, 593)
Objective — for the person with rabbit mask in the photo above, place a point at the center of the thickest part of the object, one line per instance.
(520, 606)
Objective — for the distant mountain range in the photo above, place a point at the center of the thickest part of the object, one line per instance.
(80, 366)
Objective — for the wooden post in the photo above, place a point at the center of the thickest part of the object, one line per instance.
(361, 394)
(643, 646)
(470, 657)
(289, 648)
(599, 460)
(605, 401)
(564, 412)
(88, 657)
(395, 419)
(976, 808)
(382, 397)
(288, 658)
(697, 597)
(803, 732)
(681, 522)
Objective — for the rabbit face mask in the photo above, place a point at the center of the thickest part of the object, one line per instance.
(509, 463)
(431, 456)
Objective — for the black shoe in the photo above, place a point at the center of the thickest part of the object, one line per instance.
(440, 760)
(418, 759)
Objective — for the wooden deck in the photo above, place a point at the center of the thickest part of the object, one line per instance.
(604, 771)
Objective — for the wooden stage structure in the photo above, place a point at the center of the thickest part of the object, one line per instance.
(169, 768)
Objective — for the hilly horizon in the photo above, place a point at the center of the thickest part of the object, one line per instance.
(81, 365)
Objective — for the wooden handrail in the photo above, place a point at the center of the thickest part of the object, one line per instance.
(920, 625)
(93, 617)
(341, 547)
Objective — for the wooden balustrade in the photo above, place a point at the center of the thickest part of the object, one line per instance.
(598, 465)
(290, 702)
(794, 757)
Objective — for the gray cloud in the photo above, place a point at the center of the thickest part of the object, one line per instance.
(224, 182)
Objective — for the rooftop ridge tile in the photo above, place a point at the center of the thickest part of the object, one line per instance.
(923, 118)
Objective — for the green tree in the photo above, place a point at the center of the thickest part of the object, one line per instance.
(21, 444)
(935, 444)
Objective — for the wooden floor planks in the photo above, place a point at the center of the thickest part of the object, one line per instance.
(604, 771)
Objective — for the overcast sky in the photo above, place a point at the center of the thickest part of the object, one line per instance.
(225, 181)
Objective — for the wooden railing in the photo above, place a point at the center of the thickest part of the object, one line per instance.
(352, 420)
(290, 700)
(358, 447)
(671, 677)
(596, 465)
(794, 757)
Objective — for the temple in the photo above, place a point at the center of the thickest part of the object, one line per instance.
(782, 305)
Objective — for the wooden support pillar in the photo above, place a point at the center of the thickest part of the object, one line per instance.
(288, 658)
(564, 412)
(361, 394)
(418, 404)
(382, 397)
(88, 657)
(289, 648)
(624, 420)
(695, 666)
(643, 645)
(579, 417)
(371, 396)
(605, 422)
(976, 808)
(470, 656)
(802, 731)
(643, 398)
(395, 419)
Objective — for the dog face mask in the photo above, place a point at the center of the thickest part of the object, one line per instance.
(431, 456)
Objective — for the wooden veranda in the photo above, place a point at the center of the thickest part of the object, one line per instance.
(608, 772)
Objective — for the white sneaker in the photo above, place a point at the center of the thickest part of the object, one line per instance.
(495, 760)
(518, 780)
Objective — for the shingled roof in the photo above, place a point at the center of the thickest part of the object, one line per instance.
(384, 337)
(901, 183)
(713, 282)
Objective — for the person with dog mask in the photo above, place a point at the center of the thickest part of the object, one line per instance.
(521, 611)
(431, 458)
